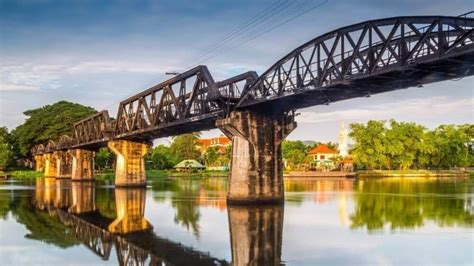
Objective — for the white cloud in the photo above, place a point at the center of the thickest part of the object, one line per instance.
(33, 77)
(27, 77)
(415, 108)
(110, 66)
(4, 86)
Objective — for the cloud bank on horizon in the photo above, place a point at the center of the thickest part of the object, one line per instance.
(99, 52)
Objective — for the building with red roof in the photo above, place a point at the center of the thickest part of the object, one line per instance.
(322, 152)
(222, 142)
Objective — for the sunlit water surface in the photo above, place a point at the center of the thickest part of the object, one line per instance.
(187, 222)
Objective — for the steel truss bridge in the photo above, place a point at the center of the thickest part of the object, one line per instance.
(354, 61)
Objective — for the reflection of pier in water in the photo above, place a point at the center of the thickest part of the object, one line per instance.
(134, 241)
(256, 234)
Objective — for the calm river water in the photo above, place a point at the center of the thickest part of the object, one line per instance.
(187, 222)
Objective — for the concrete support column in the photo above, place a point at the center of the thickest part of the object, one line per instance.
(82, 165)
(64, 164)
(50, 164)
(256, 165)
(256, 234)
(130, 205)
(39, 163)
(129, 165)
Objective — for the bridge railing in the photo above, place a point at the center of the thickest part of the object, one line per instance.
(50, 147)
(92, 130)
(64, 143)
(179, 98)
(37, 150)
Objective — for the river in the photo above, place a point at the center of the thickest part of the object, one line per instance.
(186, 221)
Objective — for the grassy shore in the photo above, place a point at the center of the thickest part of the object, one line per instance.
(22, 174)
(161, 174)
(110, 175)
(151, 174)
(412, 173)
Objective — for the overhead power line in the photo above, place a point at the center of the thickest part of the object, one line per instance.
(248, 24)
(240, 30)
(275, 17)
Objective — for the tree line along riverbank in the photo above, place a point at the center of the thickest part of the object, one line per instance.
(377, 145)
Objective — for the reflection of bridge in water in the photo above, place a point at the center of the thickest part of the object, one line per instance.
(129, 233)
(256, 231)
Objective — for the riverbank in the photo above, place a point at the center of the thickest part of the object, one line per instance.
(162, 174)
(413, 173)
(317, 174)
(20, 174)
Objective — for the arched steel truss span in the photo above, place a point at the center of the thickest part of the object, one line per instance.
(369, 57)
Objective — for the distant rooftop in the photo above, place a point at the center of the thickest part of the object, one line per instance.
(321, 148)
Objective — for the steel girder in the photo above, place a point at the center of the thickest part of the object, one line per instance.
(369, 57)
(185, 103)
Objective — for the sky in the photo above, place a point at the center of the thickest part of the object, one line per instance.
(98, 53)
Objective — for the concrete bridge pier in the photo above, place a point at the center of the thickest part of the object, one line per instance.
(256, 166)
(130, 205)
(129, 164)
(82, 165)
(50, 164)
(64, 164)
(39, 163)
(256, 234)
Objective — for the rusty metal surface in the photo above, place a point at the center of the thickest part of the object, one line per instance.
(369, 57)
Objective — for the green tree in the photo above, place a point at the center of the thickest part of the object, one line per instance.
(408, 145)
(404, 142)
(450, 142)
(369, 148)
(294, 152)
(6, 152)
(103, 159)
(161, 157)
(184, 146)
(48, 122)
(468, 130)
(211, 155)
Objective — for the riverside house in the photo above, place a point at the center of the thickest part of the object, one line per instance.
(321, 157)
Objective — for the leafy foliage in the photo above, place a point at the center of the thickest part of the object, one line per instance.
(184, 146)
(104, 159)
(5, 153)
(161, 157)
(294, 152)
(211, 155)
(6, 149)
(48, 122)
(408, 145)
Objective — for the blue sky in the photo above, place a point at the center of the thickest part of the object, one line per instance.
(99, 52)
